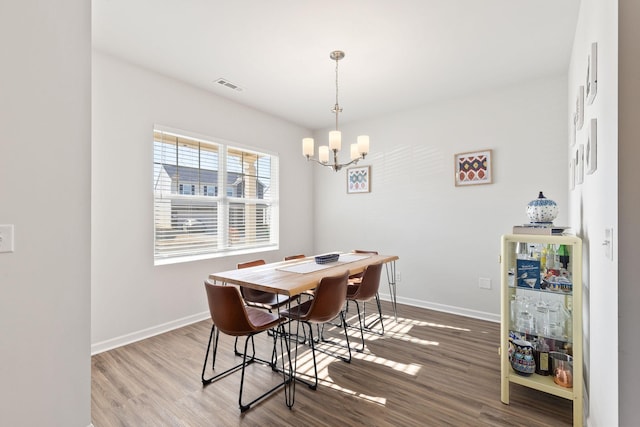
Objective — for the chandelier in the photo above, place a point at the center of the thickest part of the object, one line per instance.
(358, 150)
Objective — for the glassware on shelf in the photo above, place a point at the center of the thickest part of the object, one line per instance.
(558, 317)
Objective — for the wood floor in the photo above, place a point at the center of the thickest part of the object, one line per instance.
(429, 369)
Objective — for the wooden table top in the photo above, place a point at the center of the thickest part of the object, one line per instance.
(271, 277)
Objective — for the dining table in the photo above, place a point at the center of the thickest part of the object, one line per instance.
(295, 277)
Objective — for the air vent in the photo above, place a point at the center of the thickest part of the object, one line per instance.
(227, 83)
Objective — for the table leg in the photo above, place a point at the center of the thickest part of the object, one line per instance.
(391, 278)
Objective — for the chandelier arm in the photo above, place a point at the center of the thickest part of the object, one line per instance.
(335, 165)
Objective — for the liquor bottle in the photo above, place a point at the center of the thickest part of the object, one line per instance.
(563, 256)
(542, 357)
(551, 255)
(543, 258)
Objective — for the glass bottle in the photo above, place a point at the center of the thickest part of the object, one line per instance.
(541, 354)
(563, 256)
(551, 255)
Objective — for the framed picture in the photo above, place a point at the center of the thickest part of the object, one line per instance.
(473, 168)
(591, 149)
(592, 73)
(572, 137)
(359, 179)
(579, 117)
(579, 161)
(572, 173)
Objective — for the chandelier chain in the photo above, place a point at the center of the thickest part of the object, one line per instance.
(336, 108)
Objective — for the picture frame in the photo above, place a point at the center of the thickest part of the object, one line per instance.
(473, 168)
(573, 137)
(592, 74)
(579, 161)
(591, 148)
(359, 179)
(572, 173)
(579, 116)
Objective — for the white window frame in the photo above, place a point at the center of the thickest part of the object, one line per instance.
(221, 242)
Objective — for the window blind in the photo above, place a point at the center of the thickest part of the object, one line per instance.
(211, 198)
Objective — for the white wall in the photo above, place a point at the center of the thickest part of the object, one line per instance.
(594, 207)
(629, 212)
(44, 191)
(131, 298)
(448, 237)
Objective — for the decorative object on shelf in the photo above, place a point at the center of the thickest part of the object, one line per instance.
(359, 179)
(542, 210)
(522, 360)
(327, 258)
(473, 168)
(562, 368)
(541, 229)
(591, 150)
(592, 74)
(579, 115)
(358, 150)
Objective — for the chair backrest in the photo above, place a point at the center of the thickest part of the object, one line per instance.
(329, 297)
(250, 263)
(360, 251)
(227, 310)
(248, 293)
(290, 257)
(370, 282)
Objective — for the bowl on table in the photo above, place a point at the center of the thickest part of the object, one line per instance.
(327, 258)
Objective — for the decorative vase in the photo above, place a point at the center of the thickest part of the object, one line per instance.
(522, 360)
(542, 210)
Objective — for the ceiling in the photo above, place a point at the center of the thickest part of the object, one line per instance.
(399, 54)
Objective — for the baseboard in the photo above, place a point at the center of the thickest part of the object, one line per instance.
(179, 323)
(147, 333)
(491, 317)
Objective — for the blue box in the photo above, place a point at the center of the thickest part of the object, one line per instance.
(528, 273)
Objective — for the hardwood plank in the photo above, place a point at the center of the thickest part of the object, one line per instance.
(430, 369)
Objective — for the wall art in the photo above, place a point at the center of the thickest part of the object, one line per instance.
(579, 116)
(579, 160)
(592, 73)
(572, 173)
(591, 149)
(359, 179)
(473, 168)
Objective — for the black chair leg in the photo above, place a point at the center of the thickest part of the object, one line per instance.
(361, 328)
(379, 319)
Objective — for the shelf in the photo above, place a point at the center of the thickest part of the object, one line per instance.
(542, 383)
(511, 249)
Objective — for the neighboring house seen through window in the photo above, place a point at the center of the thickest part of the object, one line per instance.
(192, 217)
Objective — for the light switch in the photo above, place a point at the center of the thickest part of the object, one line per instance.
(6, 238)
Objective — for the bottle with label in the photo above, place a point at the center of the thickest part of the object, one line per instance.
(541, 354)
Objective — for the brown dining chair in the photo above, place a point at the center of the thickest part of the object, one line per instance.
(291, 257)
(365, 291)
(355, 279)
(326, 305)
(232, 317)
(257, 298)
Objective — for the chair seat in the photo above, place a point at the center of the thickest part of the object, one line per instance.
(262, 319)
(299, 312)
(266, 300)
(352, 290)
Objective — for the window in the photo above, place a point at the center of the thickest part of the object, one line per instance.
(211, 198)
